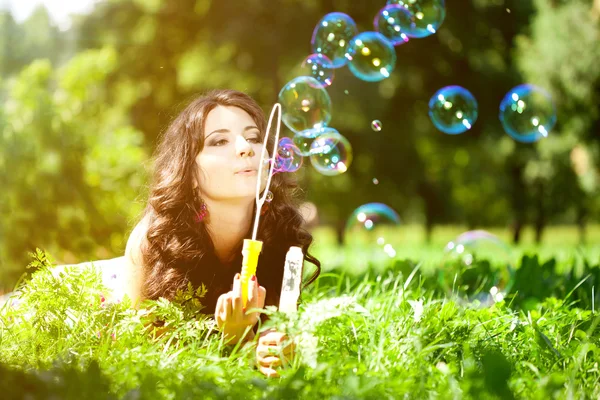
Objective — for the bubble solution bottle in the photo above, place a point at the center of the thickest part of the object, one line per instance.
(292, 276)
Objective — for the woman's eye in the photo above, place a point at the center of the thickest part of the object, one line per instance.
(254, 140)
(221, 142)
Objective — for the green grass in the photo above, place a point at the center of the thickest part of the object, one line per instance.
(380, 332)
(559, 242)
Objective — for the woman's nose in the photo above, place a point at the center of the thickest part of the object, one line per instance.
(242, 147)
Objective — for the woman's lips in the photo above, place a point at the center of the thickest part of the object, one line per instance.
(248, 172)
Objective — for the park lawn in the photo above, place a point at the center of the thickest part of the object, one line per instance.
(380, 332)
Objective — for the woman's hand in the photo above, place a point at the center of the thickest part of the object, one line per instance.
(271, 353)
(230, 313)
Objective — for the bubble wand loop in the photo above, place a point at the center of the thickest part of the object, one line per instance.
(253, 247)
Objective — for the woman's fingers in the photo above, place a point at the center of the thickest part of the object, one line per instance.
(219, 304)
(268, 372)
(270, 362)
(252, 292)
(262, 294)
(227, 307)
(236, 296)
(272, 338)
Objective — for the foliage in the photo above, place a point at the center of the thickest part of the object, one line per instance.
(373, 336)
(70, 162)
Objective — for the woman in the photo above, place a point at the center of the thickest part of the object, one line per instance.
(201, 207)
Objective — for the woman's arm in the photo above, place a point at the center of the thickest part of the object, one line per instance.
(133, 262)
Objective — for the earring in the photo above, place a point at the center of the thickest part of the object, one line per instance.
(268, 200)
(203, 213)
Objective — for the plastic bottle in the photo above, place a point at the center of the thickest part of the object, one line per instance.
(292, 277)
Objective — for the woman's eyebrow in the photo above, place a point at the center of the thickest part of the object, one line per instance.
(249, 127)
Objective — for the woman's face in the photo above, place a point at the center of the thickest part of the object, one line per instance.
(229, 161)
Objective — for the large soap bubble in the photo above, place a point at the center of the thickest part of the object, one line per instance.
(428, 16)
(453, 110)
(393, 21)
(477, 269)
(331, 153)
(305, 104)
(371, 56)
(332, 35)
(527, 113)
(372, 231)
(319, 67)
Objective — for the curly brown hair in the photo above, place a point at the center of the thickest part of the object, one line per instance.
(178, 249)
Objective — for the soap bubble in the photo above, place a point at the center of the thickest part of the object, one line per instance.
(393, 21)
(319, 67)
(376, 125)
(331, 153)
(269, 197)
(527, 113)
(373, 229)
(332, 35)
(304, 139)
(453, 110)
(371, 56)
(288, 158)
(428, 15)
(477, 269)
(305, 104)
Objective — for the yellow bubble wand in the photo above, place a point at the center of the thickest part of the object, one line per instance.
(253, 247)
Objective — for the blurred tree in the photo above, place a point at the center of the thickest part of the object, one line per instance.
(35, 38)
(561, 54)
(70, 164)
(75, 138)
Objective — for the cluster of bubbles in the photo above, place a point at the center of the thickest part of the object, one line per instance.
(370, 56)
(527, 112)
(476, 268)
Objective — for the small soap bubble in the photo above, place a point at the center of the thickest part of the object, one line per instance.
(332, 35)
(376, 125)
(305, 104)
(476, 269)
(527, 113)
(373, 228)
(269, 197)
(427, 16)
(375, 181)
(319, 67)
(346, 92)
(453, 110)
(393, 21)
(371, 56)
(331, 153)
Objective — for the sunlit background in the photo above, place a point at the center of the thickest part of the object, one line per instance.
(426, 132)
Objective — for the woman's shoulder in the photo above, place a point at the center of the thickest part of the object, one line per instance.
(133, 259)
(133, 249)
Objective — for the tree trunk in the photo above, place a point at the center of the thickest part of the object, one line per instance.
(340, 227)
(428, 229)
(428, 195)
(540, 219)
(581, 223)
(518, 199)
(517, 229)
